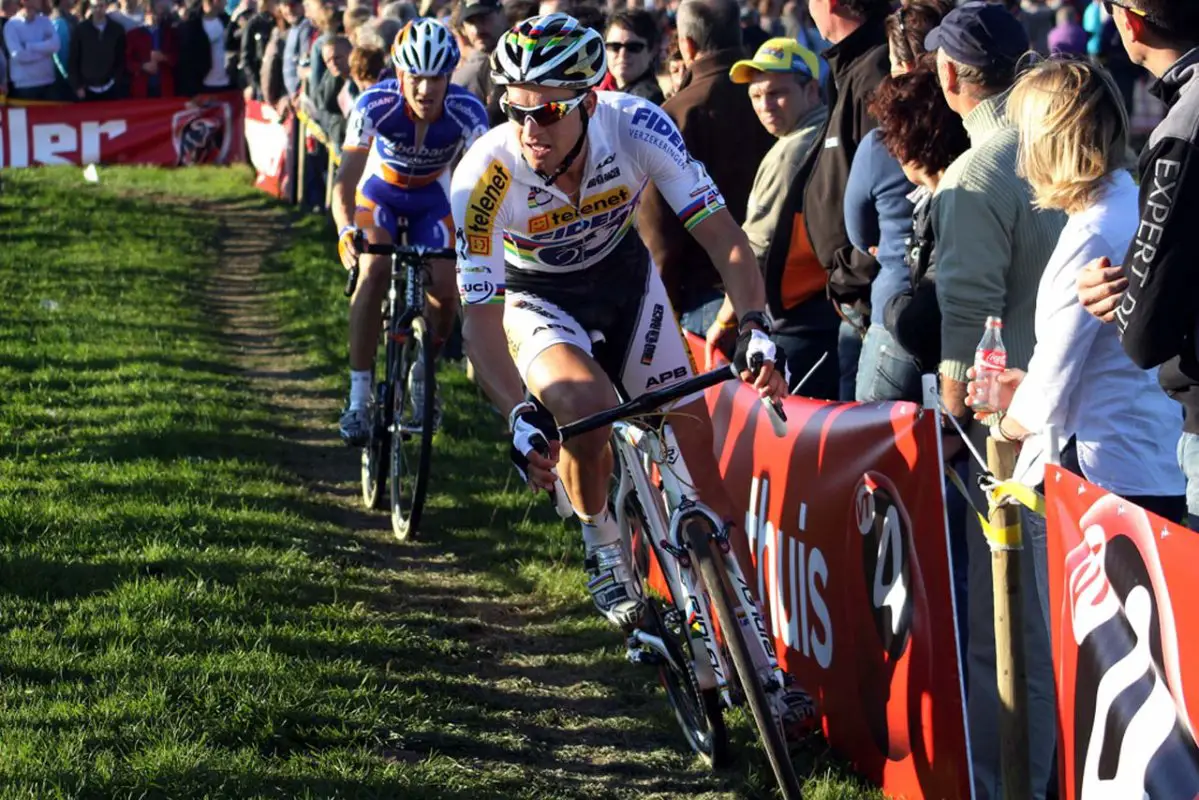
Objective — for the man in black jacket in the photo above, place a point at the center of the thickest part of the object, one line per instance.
(97, 58)
(205, 32)
(708, 110)
(255, 37)
(1154, 296)
(858, 60)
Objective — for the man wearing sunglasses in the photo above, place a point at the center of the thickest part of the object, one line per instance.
(403, 134)
(559, 292)
(1153, 296)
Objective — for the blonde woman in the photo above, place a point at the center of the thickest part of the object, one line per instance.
(1073, 144)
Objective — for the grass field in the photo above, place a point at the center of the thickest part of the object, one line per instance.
(191, 602)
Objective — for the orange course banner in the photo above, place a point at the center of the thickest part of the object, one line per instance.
(846, 522)
(1122, 610)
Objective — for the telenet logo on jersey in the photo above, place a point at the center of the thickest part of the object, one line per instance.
(485, 201)
(595, 204)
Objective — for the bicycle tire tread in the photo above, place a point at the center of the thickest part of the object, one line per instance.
(777, 751)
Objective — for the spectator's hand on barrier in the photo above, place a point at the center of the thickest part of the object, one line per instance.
(80, 93)
(535, 445)
(150, 67)
(347, 246)
(1006, 384)
(1101, 288)
(248, 93)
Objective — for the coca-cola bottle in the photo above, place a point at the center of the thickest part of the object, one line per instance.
(990, 360)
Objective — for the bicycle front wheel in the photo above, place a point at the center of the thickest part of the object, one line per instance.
(376, 456)
(697, 710)
(699, 531)
(412, 429)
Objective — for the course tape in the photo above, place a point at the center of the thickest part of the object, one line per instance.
(1006, 537)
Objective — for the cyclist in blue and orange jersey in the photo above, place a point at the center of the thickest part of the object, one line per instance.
(403, 135)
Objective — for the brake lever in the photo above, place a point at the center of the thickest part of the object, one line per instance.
(558, 493)
(352, 279)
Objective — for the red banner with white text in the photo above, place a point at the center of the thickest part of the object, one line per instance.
(1124, 616)
(846, 522)
(268, 138)
(207, 129)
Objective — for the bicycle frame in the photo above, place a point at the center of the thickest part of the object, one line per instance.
(637, 446)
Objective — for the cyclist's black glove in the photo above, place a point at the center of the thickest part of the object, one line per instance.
(533, 428)
(753, 349)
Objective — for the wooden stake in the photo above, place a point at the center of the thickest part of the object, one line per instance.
(1012, 679)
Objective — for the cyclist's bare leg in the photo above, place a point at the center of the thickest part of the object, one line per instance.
(572, 385)
(366, 306)
(693, 428)
(441, 300)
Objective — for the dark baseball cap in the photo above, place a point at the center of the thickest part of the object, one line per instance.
(979, 34)
(472, 8)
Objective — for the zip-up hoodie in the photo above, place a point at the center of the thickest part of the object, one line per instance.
(1159, 314)
(858, 64)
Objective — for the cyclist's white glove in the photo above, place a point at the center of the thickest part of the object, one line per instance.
(754, 348)
(533, 428)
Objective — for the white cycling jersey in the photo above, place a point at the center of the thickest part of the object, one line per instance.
(504, 214)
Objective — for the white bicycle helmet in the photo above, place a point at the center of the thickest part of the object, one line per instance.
(551, 50)
(426, 48)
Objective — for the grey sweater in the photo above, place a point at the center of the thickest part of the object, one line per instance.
(992, 245)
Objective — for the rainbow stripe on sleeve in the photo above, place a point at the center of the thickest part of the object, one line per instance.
(703, 207)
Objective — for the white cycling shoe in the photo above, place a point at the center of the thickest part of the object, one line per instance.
(355, 426)
(614, 585)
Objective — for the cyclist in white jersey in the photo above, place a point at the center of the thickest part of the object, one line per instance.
(560, 294)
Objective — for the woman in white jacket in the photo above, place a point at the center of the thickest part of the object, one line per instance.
(1073, 147)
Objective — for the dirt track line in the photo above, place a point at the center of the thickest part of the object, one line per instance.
(559, 701)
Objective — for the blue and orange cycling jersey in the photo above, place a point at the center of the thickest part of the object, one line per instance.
(407, 154)
(407, 171)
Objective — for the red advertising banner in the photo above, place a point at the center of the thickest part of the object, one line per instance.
(268, 140)
(207, 129)
(846, 521)
(1125, 627)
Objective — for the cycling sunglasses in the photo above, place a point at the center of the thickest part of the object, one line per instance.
(545, 114)
(634, 48)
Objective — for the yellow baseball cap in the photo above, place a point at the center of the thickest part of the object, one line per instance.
(777, 55)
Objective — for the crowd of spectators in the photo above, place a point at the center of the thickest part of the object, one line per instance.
(903, 172)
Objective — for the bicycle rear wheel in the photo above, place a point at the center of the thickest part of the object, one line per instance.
(411, 432)
(697, 711)
(698, 531)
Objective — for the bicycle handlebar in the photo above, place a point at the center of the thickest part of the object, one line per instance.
(430, 253)
(652, 401)
(380, 249)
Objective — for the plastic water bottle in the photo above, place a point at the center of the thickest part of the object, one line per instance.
(990, 360)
